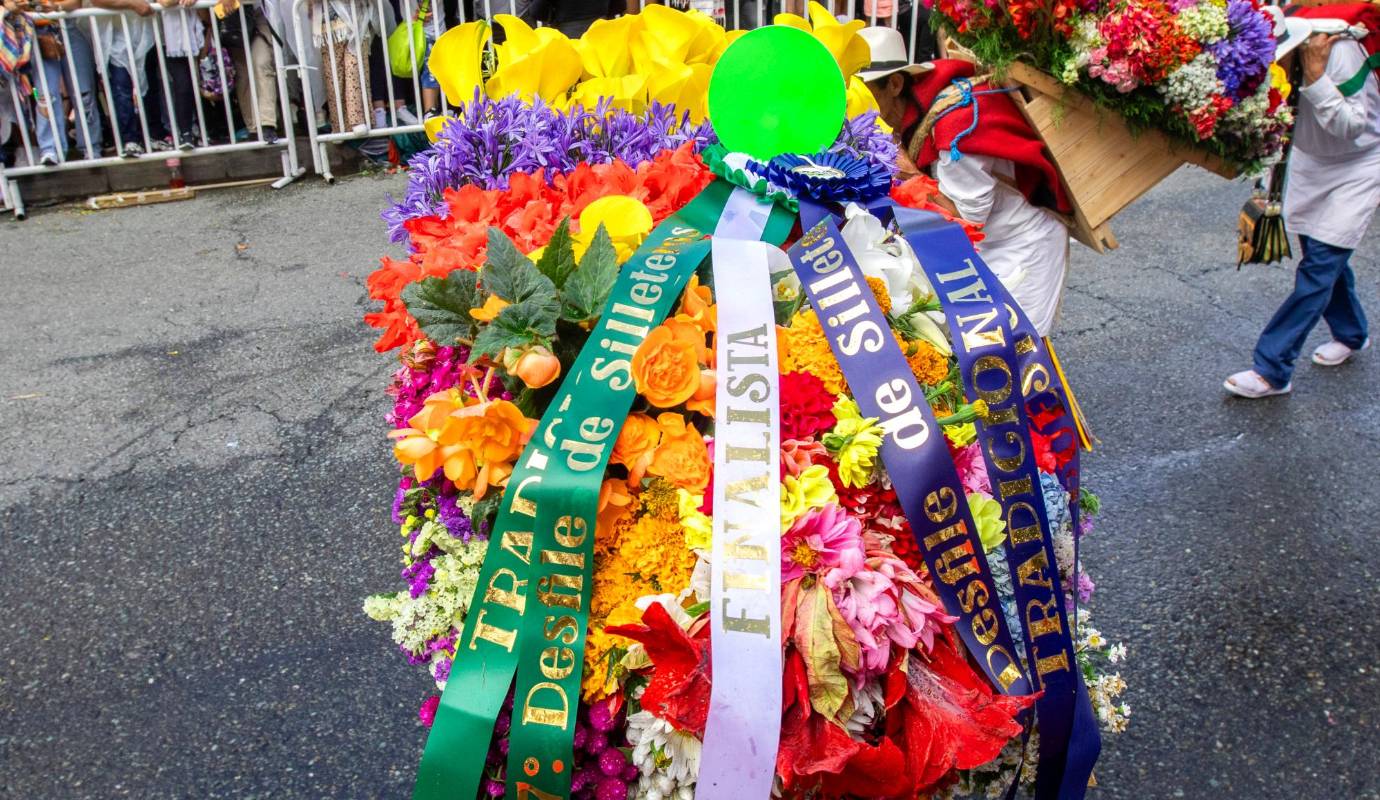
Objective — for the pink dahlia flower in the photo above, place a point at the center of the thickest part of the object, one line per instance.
(824, 542)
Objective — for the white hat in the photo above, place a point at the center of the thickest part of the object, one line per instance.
(888, 54)
(1290, 32)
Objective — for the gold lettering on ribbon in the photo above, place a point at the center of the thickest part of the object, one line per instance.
(493, 634)
(533, 714)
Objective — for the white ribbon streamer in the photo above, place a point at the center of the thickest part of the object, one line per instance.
(744, 725)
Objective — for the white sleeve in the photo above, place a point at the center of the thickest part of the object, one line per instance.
(970, 182)
(1340, 117)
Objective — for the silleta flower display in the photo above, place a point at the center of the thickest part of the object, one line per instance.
(638, 440)
(1200, 70)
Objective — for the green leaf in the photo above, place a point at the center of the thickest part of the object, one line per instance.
(587, 289)
(532, 321)
(442, 306)
(814, 639)
(509, 274)
(558, 259)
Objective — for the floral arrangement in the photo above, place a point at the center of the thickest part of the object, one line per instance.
(516, 225)
(1200, 70)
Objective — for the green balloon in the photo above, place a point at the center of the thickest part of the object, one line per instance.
(777, 90)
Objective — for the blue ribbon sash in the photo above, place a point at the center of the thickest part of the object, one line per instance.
(913, 449)
(1003, 363)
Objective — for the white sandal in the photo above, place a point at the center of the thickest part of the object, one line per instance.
(1334, 353)
(1251, 386)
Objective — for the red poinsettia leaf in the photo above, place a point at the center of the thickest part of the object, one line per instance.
(679, 688)
(949, 718)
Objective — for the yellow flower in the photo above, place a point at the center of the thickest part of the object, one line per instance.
(605, 48)
(962, 435)
(492, 305)
(534, 63)
(642, 555)
(803, 348)
(685, 86)
(626, 92)
(854, 441)
(987, 516)
(1279, 80)
(860, 100)
(670, 37)
(810, 490)
(845, 44)
(928, 365)
(699, 528)
(625, 218)
(456, 60)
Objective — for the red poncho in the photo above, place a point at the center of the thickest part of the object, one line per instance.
(1366, 14)
(1002, 132)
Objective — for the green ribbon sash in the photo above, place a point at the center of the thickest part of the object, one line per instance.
(530, 611)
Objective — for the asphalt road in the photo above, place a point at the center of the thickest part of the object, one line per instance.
(194, 494)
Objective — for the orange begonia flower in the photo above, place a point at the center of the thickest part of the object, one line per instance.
(697, 305)
(636, 443)
(473, 443)
(703, 400)
(682, 457)
(614, 500)
(666, 366)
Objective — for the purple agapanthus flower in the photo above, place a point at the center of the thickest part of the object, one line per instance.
(862, 138)
(1244, 56)
(490, 140)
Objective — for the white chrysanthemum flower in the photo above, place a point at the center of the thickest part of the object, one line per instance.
(668, 759)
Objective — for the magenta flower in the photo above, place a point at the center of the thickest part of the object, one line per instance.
(972, 469)
(886, 604)
(427, 713)
(824, 542)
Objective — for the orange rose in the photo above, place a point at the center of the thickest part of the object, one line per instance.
(637, 440)
(682, 458)
(536, 367)
(666, 367)
(614, 501)
(703, 399)
(697, 306)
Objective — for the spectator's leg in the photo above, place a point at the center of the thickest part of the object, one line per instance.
(183, 99)
(126, 112)
(82, 61)
(265, 79)
(355, 108)
(154, 105)
(51, 124)
(244, 97)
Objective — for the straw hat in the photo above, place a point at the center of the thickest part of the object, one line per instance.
(889, 55)
(1290, 32)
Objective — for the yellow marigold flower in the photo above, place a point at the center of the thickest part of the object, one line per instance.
(854, 442)
(699, 528)
(803, 348)
(810, 490)
(661, 499)
(929, 366)
(640, 556)
(878, 287)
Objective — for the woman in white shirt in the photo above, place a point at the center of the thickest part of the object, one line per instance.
(1330, 195)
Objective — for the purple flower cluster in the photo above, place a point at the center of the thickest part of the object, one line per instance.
(1244, 55)
(862, 138)
(602, 771)
(412, 385)
(490, 140)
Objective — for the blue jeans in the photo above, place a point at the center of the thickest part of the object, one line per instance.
(52, 128)
(1324, 287)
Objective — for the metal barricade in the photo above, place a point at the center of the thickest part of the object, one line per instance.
(117, 51)
(340, 36)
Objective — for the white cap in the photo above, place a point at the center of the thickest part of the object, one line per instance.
(1290, 32)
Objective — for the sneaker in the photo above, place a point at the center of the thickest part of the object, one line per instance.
(380, 118)
(406, 117)
(270, 134)
(431, 113)
(362, 127)
(1334, 353)
(132, 150)
(1250, 385)
(188, 142)
(48, 159)
(162, 145)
